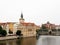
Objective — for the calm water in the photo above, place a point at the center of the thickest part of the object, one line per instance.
(43, 40)
(23, 41)
(48, 40)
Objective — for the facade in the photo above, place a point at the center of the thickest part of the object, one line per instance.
(49, 26)
(54, 29)
(57, 27)
(3, 25)
(11, 27)
(27, 28)
(8, 26)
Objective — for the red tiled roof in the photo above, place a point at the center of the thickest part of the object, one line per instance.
(2, 23)
(27, 24)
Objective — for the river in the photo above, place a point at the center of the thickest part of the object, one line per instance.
(23, 41)
(48, 40)
(42, 40)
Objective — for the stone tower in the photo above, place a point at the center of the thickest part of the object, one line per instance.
(21, 20)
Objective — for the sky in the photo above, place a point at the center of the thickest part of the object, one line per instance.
(35, 11)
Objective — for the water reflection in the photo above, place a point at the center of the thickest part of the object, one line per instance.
(48, 40)
(24, 41)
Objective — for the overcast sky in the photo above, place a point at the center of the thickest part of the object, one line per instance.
(37, 11)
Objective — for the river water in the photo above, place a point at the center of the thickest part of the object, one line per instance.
(23, 41)
(48, 40)
(42, 40)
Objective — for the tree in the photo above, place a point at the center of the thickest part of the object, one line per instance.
(18, 32)
(0, 32)
(50, 32)
(10, 32)
(3, 33)
(43, 30)
(37, 30)
(54, 30)
(1, 28)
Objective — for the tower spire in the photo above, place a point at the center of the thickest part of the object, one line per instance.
(22, 15)
(21, 20)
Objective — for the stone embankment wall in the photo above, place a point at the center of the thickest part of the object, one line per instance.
(8, 37)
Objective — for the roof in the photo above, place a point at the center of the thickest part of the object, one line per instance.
(3, 23)
(28, 23)
(10, 22)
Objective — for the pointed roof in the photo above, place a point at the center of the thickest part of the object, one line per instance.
(21, 15)
(48, 22)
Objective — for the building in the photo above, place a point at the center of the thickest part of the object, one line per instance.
(57, 27)
(3, 25)
(49, 25)
(27, 28)
(9, 26)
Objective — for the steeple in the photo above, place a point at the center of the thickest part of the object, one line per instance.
(48, 22)
(22, 15)
(21, 20)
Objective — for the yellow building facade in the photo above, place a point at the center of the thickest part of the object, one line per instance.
(11, 26)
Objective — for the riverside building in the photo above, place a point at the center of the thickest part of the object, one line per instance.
(26, 28)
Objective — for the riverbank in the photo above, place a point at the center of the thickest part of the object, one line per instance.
(8, 37)
(13, 37)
